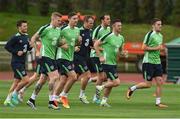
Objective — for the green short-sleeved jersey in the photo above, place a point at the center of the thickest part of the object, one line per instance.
(98, 32)
(49, 37)
(152, 39)
(71, 36)
(111, 44)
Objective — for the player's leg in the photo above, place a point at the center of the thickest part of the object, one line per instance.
(72, 78)
(97, 69)
(159, 82)
(114, 81)
(107, 90)
(84, 81)
(62, 80)
(83, 73)
(59, 87)
(8, 102)
(38, 87)
(31, 81)
(21, 74)
(50, 68)
(148, 74)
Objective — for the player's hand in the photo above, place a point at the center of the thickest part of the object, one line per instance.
(101, 59)
(65, 46)
(161, 47)
(77, 49)
(124, 53)
(31, 44)
(101, 49)
(20, 53)
(62, 42)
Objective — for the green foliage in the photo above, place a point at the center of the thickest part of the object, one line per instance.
(64, 6)
(132, 11)
(22, 6)
(131, 32)
(147, 10)
(3, 5)
(176, 13)
(43, 6)
(164, 10)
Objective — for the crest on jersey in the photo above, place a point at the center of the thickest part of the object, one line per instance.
(69, 67)
(116, 75)
(148, 77)
(20, 41)
(52, 67)
(85, 67)
(23, 72)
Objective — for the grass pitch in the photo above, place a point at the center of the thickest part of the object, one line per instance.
(142, 104)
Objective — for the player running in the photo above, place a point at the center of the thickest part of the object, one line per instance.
(112, 44)
(50, 35)
(96, 68)
(82, 56)
(36, 74)
(69, 33)
(152, 68)
(18, 46)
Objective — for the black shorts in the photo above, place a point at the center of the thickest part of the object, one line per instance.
(48, 65)
(19, 70)
(64, 66)
(80, 64)
(111, 71)
(151, 70)
(95, 66)
(39, 68)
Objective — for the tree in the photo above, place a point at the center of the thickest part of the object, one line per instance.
(147, 10)
(64, 6)
(117, 8)
(176, 13)
(164, 9)
(132, 11)
(22, 6)
(43, 6)
(3, 5)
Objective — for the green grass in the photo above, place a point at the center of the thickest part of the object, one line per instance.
(141, 105)
(131, 32)
(8, 24)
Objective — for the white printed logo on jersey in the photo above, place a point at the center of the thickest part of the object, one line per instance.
(52, 67)
(23, 72)
(54, 41)
(69, 67)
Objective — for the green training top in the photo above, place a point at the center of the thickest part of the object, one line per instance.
(152, 39)
(111, 44)
(71, 36)
(49, 37)
(98, 32)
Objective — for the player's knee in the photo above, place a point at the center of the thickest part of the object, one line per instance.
(38, 86)
(88, 74)
(51, 85)
(116, 82)
(73, 76)
(148, 85)
(159, 81)
(26, 81)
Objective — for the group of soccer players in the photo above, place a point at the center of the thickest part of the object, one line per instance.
(66, 53)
